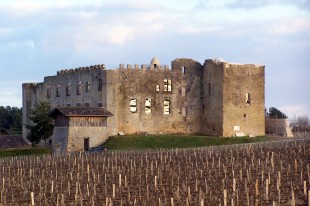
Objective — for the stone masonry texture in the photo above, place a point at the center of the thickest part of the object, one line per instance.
(215, 98)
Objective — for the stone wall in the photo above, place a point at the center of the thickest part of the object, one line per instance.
(243, 100)
(149, 84)
(60, 140)
(29, 99)
(278, 127)
(212, 95)
(226, 88)
(208, 99)
(76, 135)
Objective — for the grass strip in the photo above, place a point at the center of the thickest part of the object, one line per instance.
(128, 142)
(22, 152)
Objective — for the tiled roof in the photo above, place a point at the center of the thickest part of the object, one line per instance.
(81, 111)
(11, 142)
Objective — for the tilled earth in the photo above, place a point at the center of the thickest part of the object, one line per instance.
(274, 173)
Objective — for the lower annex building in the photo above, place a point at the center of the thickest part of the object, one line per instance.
(215, 98)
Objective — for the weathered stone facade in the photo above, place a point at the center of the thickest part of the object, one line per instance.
(216, 98)
(78, 128)
(279, 127)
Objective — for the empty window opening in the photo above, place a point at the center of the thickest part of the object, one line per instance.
(244, 115)
(167, 85)
(157, 88)
(86, 86)
(68, 88)
(48, 91)
(166, 106)
(58, 87)
(78, 104)
(183, 70)
(148, 106)
(247, 98)
(155, 66)
(100, 104)
(68, 105)
(133, 105)
(79, 87)
(209, 88)
(100, 84)
(86, 104)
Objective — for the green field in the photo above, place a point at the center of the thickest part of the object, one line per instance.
(26, 151)
(128, 142)
(132, 142)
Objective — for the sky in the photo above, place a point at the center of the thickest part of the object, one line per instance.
(38, 38)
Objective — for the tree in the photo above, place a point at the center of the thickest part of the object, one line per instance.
(274, 113)
(10, 118)
(42, 125)
(303, 121)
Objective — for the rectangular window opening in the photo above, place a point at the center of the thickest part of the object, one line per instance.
(133, 105)
(157, 88)
(209, 88)
(247, 98)
(183, 70)
(58, 90)
(166, 106)
(100, 104)
(68, 88)
(86, 104)
(86, 86)
(79, 87)
(148, 106)
(78, 104)
(48, 91)
(167, 85)
(100, 84)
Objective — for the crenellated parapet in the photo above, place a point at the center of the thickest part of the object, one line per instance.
(81, 69)
(144, 66)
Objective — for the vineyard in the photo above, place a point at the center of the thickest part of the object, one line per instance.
(253, 174)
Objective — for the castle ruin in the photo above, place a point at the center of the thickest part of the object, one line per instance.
(217, 98)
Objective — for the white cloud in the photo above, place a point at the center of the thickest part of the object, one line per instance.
(293, 111)
(61, 33)
(11, 94)
(291, 26)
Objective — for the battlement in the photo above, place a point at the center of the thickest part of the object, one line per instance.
(81, 69)
(143, 66)
(102, 66)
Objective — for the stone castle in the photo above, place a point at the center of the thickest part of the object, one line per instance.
(216, 98)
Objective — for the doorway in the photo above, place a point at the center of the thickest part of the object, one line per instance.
(86, 144)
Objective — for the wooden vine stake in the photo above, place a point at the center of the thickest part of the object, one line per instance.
(113, 191)
(305, 188)
(225, 197)
(293, 198)
(32, 198)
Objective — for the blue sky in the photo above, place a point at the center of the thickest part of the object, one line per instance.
(37, 38)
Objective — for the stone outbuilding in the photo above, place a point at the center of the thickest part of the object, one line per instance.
(78, 128)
